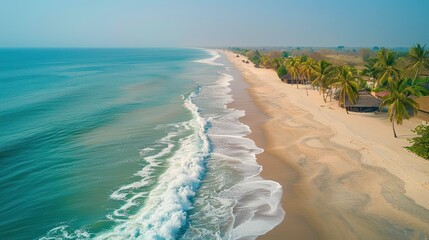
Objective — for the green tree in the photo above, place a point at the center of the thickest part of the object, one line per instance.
(417, 60)
(293, 67)
(386, 66)
(254, 56)
(301, 71)
(399, 101)
(346, 81)
(307, 69)
(265, 61)
(303, 58)
(277, 62)
(281, 71)
(371, 70)
(324, 73)
(420, 144)
(285, 54)
(363, 85)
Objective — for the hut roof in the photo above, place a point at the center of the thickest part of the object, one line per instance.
(366, 100)
(286, 77)
(423, 103)
(382, 94)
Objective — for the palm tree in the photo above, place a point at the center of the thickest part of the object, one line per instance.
(417, 60)
(323, 72)
(307, 69)
(363, 85)
(346, 80)
(293, 68)
(301, 71)
(265, 61)
(399, 101)
(277, 62)
(386, 66)
(371, 70)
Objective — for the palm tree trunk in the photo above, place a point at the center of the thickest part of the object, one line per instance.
(394, 131)
(325, 96)
(393, 123)
(306, 87)
(344, 102)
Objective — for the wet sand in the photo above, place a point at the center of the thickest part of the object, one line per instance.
(343, 176)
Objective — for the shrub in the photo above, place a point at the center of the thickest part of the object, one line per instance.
(281, 71)
(420, 144)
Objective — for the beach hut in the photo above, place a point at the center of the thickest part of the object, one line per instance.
(423, 109)
(365, 103)
(287, 79)
(382, 94)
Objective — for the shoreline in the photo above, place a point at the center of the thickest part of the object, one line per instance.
(343, 176)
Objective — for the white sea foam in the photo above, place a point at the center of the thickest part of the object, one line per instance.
(258, 208)
(62, 232)
(144, 173)
(164, 213)
(254, 202)
(211, 60)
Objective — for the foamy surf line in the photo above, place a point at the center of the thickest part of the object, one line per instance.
(164, 214)
(211, 60)
(257, 207)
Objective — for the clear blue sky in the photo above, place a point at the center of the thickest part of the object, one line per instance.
(168, 23)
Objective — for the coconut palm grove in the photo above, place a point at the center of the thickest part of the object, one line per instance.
(396, 77)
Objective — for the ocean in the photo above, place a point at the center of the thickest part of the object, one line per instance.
(127, 144)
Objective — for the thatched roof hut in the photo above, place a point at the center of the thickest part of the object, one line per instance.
(365, 103)
(382, 94)
(423, 110)
(288, 79)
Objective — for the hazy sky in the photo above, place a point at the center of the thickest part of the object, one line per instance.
(168, 23)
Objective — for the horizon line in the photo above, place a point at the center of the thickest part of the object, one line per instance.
(211, 47)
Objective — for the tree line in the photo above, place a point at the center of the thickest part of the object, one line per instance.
(397, 75)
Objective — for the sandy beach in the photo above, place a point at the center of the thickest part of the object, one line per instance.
(343, 176)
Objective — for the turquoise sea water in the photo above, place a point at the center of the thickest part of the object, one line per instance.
(126, 144)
